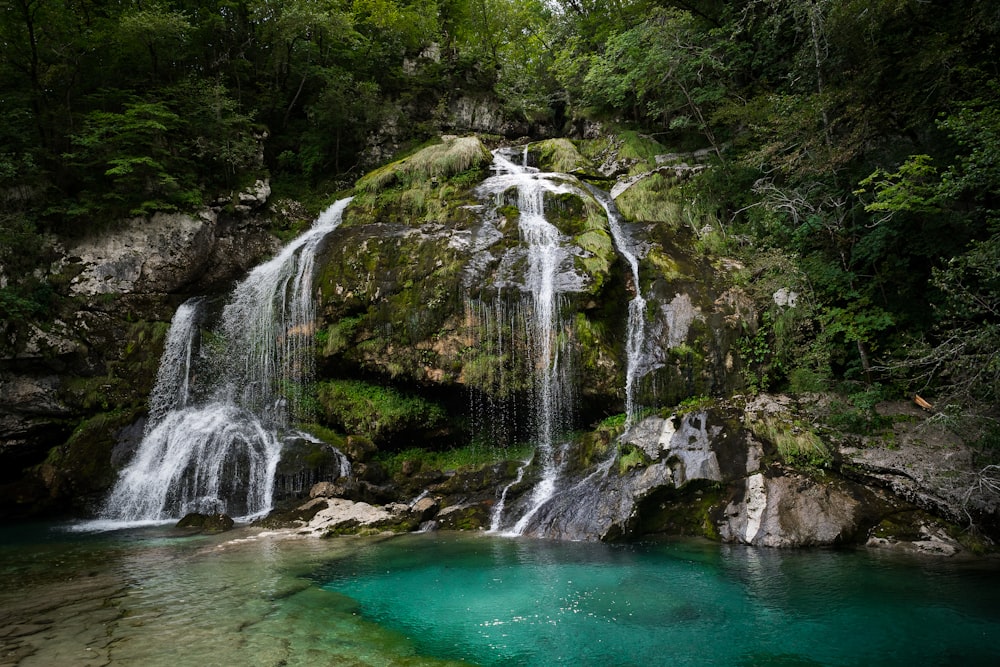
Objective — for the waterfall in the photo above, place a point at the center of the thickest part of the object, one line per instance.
(220, 455)
(636, 326)
(545, 256)
(173, 379)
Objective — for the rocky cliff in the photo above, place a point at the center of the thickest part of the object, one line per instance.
(73, 386)
(423, 294)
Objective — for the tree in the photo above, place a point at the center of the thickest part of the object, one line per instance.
(665, 70)
(155, 29)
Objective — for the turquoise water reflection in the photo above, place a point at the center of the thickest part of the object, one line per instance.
(514, 602)
(156, 596)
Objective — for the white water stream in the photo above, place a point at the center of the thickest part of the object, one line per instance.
(636, 328)
(173, 379)
(221, 455)
(545, 257)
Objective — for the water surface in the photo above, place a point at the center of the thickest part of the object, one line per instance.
(155, 596)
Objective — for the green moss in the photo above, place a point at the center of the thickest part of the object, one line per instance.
(449, 158)
(460, 459)
(630, 456)
(689, 511)
(595, 445)
(639, 147)
(664, 266)
(323, 433)
(375, 411)
(82, 464)
(652, 200)
(560, 155)
(695, 404)
(339, 336)
(595, 350)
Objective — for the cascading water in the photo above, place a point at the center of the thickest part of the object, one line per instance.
(173, 379)
(545, 256)
(221, 455)
(636, 328)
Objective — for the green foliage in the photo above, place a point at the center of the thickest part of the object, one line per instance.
(469, 457)
(614, 422)
(376, 411)
(796, 443)
(911, 188)
(694, 404)
(960, 358)
(26, 301)
(664, 70)
(132, 148)
(858, 414)
(758, 360)
(857, 140)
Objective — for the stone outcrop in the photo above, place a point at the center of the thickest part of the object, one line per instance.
(416, 280)
(708, 473)
(169, 253)
(99, 351)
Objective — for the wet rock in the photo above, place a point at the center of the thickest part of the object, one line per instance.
(209, 523)
(359, 448)
(425, 508)
(703, 472)
(346, 517)
(326, 490)
(464, 516)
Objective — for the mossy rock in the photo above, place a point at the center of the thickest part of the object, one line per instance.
(206, 523)
(561, 155)
(378, 412)
(464, 517)
(692, 510)
(432, 185)
(82, 466)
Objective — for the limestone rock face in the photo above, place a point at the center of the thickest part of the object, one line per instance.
(792, 510)
(165, 254)
(161, 254)
(705, 473)
(608, 502)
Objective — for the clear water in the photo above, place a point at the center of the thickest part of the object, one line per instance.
(156, 597)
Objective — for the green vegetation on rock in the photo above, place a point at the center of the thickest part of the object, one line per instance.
(376, 411)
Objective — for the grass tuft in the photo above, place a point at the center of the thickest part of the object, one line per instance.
(453, 156)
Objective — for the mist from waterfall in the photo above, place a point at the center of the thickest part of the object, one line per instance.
(219, 453)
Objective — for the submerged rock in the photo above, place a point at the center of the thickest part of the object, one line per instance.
(210, 523)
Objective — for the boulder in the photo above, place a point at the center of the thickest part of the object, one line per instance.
(793, 510)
